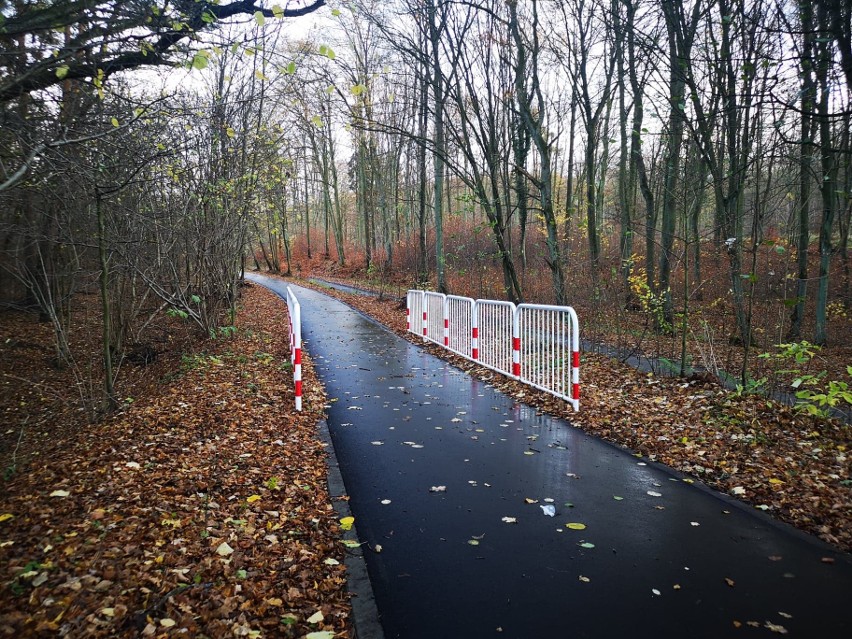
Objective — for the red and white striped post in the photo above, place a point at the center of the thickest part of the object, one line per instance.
(516, 347)
(575, 359)
(474, 338)
(295, 311)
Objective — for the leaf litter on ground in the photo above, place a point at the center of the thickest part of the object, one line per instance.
(187, 536)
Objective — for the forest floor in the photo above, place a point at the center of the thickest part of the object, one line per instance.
(201, 504)
(198, 507)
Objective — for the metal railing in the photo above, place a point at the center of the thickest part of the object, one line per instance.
(536, 344)
(435, 318)
(494, 320)
(414, 312)
(461, 324)
(548, 349)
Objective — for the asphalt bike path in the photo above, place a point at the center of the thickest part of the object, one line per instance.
(481, 517)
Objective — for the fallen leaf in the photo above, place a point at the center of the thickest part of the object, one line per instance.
(575, 526)
(729, 581)
(586, 544)
(6, 517)
(331, 561)
(656, 592)
(316, 617)
(224, 549)
(772, 627)
(438, 489)
(346, 523)
(253, 499)
(59, 493)
(322, 634)
(510, 520)
(617, 498)
(167, 623)
(654, 493)
(584, 579)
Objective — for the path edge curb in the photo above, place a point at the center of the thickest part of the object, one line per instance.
(365, 613)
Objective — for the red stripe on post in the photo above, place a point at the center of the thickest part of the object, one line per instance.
(575, 359)
(475, 332)
(475, 353)
(298, 388)
(575, 392)
(516, 343)
(516, 369)
(298, 357)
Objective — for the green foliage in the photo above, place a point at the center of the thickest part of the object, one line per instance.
(225, 332)
(814, 401)
(751, 387)
(820, 403)
(177, 312)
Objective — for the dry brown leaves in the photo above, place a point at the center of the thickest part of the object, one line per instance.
(796, 468)
(200, 508)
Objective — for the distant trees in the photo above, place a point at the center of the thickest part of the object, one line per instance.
(624, 144)
(106, 184)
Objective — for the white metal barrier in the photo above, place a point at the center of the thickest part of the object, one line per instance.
(294, 310)
(533, 343)
(547, 348)
(461, 326)
(494, 320)
(435, 324)
(415, 312)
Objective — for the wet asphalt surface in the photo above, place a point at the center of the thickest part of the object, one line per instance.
(658, 557)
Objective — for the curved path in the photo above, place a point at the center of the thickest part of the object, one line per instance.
(658, 556)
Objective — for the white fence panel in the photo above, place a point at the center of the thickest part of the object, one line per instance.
(495, 320)
(435, 327)
(414, 312)
(547, 349)
(460, 316)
